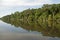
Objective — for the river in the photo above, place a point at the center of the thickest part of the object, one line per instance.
(12, 31)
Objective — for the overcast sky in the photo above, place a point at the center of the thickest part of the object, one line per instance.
(9, 6)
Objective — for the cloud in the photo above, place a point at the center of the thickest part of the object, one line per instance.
(24, 2)
(8, 6)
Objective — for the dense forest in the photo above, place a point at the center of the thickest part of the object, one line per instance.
(45, 19)
(46, 29)
(48, 12)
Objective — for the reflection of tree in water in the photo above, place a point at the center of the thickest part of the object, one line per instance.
(47, 28)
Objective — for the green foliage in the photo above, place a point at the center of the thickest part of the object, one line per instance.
(45, 19)
(45, 13)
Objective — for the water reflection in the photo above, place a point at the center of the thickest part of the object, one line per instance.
(50, 28)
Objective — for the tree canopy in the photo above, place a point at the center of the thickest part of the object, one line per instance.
(47, 12)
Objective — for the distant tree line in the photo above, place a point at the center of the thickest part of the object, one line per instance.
(45, 19)
(48, 12)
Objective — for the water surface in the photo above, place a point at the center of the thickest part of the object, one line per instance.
(34, 31)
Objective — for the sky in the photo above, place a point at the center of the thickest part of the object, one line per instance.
(10, 6)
